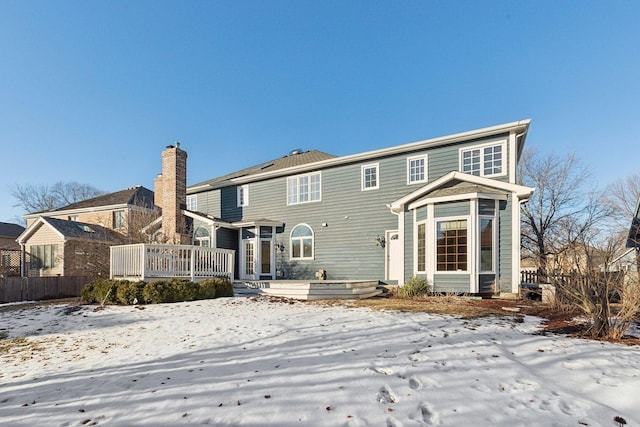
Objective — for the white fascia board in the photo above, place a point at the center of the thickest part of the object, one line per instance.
(455, 198)
(26, 234)
(520, 126)
(257, 223)
(207, 219)
(520, 191)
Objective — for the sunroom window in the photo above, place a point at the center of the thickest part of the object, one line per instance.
(451, 245)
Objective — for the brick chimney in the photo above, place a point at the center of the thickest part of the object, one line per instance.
(171, 194)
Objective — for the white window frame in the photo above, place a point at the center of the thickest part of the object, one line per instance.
(466, 218)
(192, 203)
(243, 196)
(422, 157)
(364, 168)
(418, 224)
(482, 147)
(313, 243)
(494, 245)
(295, 187)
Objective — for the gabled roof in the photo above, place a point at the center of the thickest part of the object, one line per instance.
(8, 229)
(266, 170)
(139, 196)
(73, 230)
(462, 184)
(288, 161)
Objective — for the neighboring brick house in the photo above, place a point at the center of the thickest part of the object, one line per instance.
(75, 239)
(9, 249)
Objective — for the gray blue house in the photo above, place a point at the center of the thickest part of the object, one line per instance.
(446, 208)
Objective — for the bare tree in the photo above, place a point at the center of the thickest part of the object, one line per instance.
(560, 211)
(40, 198)
(622, 196)
(609, 299)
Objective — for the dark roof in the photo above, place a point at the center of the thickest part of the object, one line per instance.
(633, 241)
(290, 160)
(8, 229)
(84, 231)
(139, 196)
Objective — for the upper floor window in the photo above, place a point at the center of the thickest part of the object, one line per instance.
(370, 177)
(416, 169)
(118, 219)
(243, 196)
(304, 188)
(192, 203)
(301, 242)
(486, 160)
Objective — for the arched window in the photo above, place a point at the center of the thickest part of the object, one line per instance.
(301, 242)
(201, 237)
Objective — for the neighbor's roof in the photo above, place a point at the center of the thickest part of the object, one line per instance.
(139, 196)
(633, 241)
(293, 159)
(74, 230)
(305, 162)
(8, 229)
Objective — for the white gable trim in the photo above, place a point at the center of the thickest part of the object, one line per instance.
(520, 191)
(455, 198)
(31, 230)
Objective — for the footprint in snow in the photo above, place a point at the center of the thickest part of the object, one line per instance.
(386, 395)
(383, 371)
(427, 413)
(393, 422)
(415, 383)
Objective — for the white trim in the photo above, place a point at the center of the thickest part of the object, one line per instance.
(472, 252)
(401, 236)
(416, 260)
(470, 241)
(242, 196)
(33, 228)
(515, 244)
(513, 157)
(456, 198)
(431, 243)
(192, 202)
(313, 244)
(481, 147)
(425, 172)
(493, 245)
(297, 178)
(520, 191)
(520, 127)
(375, 166)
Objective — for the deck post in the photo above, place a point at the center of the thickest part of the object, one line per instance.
(192, 265)
(143, 257)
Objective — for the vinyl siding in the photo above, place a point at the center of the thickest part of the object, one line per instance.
(451, 282)
(505, 246)
(45, 235)
(346, 247)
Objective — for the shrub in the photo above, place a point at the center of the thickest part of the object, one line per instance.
(158, 291)
(215, 288)
(130, 292)
(100, 291)
(416, 287)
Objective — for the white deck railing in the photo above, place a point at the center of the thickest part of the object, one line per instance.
(143, 262)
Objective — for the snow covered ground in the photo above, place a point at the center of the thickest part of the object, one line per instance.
(252, 362)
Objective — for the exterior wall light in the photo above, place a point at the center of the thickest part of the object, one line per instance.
(380, 241)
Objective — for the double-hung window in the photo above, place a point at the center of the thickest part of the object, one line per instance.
(304, 188)
(370, 177)
(486, 160)
(192, 203)
(486, 244)
(416, 169)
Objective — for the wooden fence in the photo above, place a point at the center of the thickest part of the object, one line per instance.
(16, 289)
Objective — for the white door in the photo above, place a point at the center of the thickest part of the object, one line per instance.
(395, 259)
(248, 265)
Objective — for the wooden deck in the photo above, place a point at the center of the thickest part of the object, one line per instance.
(310, 289)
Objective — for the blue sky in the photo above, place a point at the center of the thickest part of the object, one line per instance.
(92, 91)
